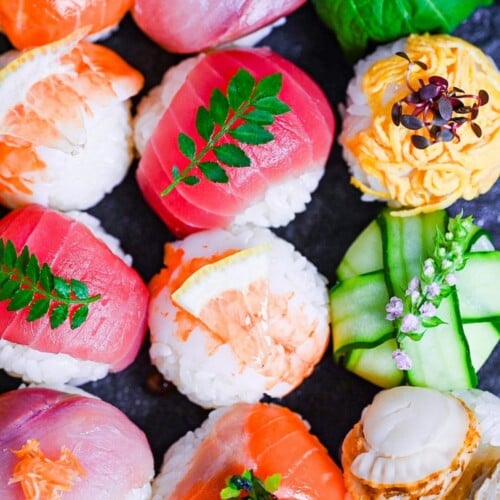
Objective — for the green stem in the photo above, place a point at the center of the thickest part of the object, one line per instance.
(210, 144)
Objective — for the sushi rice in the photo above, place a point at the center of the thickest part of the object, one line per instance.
(34, 366)
(279, 204)
(213, 377)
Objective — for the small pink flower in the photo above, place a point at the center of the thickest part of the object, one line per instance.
(410, 323)
(413, 286)
(403, 361)
(451, 279)
(394, 308)
(428, 310)
(432, 290)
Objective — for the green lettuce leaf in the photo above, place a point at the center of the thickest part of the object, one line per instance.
(356, 23)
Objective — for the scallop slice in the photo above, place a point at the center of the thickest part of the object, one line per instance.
(410, 443)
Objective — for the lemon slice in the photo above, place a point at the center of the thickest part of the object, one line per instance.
(235, 272)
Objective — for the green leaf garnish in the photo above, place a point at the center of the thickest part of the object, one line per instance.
(251, 486)
(26, 284)
(241, 114)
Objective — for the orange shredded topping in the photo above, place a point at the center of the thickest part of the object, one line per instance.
(42, 478)
(434, 178)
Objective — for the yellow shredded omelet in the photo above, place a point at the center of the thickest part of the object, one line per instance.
(388, 166)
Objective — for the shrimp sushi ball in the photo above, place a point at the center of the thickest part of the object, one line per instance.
(72, 309)
(422, 124)
(60, 445)
(232, 137)
(400, 449)
(249, 442)
(30, 24)
(65, 131)
(235, 315)
(186, 26)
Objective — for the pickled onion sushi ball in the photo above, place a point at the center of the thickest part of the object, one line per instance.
(259, 166)
(186, 26)
(235, 315)
(72, 308)
(265, 438)
(30, 24)
(414, 442)
(73, 446)
(66, 137)
(422, 124)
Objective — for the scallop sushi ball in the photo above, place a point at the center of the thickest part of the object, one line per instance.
(73, 446)
(235, 136)
(422, 124)
(72, 308)
(65, 124)
(267, 439)
(400, 449)
(236, 314)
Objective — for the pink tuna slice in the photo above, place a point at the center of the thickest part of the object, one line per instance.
(116, 324)
(186, 26)
(99, 435)
(303, 138)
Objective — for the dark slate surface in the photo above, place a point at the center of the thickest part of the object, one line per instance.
(331, 399)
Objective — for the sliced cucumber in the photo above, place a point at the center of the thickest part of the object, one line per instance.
(376, 364)
(441, 358)
(407, 242)
(478, 287)
(364, 255)
(357, 308)
(482, 339)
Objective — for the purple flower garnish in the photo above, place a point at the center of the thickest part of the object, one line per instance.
(413, 286)
(410, 323)
(394, 308)
(451, 279)
(432, 290)
(403, 361)
(428, 310)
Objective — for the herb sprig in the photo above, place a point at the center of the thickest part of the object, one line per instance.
(251, 486)
(424, 294)
(243, 114)
(26, 284)
(441, 109)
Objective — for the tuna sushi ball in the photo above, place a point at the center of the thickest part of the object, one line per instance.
(59, 445)
(65, 123)
(400, 449)
(269, 440)
(235, 315)
(232, 137)
(72, 308)
(422, 124)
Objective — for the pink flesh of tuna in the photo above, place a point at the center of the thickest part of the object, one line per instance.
(192, 25)
(303, 138)
(116, 325)
(114, 452)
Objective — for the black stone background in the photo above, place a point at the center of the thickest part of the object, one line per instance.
(332, 398)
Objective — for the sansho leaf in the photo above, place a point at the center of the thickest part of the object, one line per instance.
(219, 107)
(260, 117)
(240, 88)
(78, 316)
(204, 123)
(8, 289)
(251, 133)
(79, 289)
(20, 299)
(38, 309)
(186, 146)
(59, 315)
(213, 171)
(269, 86)
(62, 287)
(232, 155)
(272, 105)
